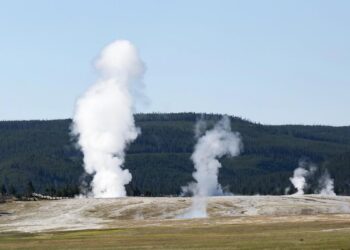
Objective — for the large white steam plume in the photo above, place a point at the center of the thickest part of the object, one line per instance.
(212, 145)
(326, 184)
(300, 175)
(103, 119)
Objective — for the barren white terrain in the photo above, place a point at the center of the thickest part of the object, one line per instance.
(88, 213)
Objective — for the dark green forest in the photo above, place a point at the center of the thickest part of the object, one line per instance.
(41, 156)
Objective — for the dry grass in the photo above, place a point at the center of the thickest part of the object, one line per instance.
(286, 235)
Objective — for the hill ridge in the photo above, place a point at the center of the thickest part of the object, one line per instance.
(42, 151)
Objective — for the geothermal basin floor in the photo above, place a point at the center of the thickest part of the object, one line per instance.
(134, 212)
(234, 222)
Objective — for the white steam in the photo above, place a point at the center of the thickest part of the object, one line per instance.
(212, 145)
(300, 176)
(103, 120)
(200, 127)
(306, 171)
(326, 184)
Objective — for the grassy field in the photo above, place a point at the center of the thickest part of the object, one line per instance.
(286, 235)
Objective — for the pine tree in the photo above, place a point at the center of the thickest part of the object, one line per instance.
(30, 189)
(3, 190)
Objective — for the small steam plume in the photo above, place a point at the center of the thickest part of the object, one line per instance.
(300, 176)
(103, 119)
(326, 184)
(214, 144)
(200, 127)
(307, 171)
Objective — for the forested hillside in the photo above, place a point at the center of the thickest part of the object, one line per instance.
(41, 156)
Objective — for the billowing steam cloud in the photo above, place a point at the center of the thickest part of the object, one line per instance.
(212, 145)
(103, 120)
(300, 175)
(326, 184)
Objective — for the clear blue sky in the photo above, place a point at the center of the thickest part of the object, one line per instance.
(273, 62)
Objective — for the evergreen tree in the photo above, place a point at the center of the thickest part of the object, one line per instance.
(13, 190)
(3, 190)
(30, 189)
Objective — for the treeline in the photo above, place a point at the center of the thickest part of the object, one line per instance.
(11, 191)
(43, 153)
